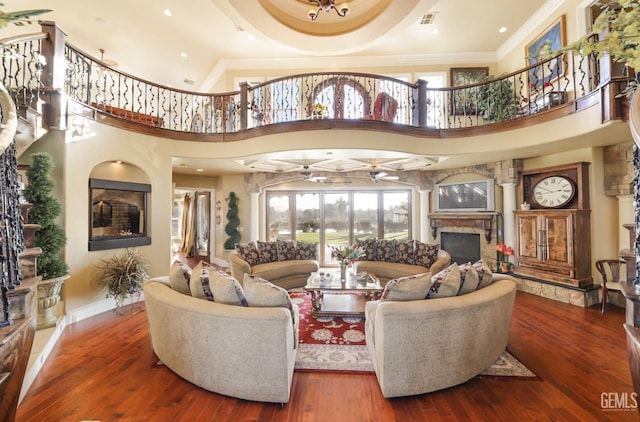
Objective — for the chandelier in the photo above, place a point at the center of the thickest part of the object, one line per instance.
(327, 5)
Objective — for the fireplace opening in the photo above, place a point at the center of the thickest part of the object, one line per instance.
(463, 247)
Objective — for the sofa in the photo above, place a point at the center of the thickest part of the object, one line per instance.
(390, 258)
(419, 346)
(247, 352)
(285, 263)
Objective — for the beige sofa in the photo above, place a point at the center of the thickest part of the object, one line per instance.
(426, 345)
(286, 274)
(386, 271)
(243, 352)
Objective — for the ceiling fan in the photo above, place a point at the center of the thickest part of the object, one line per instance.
(376, 176)
(307, 175)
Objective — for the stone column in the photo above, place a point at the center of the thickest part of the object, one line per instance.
(425, 226)
(254, 228)
(508, 206)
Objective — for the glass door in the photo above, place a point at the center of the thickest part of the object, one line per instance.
(336, 223)
(203, 227)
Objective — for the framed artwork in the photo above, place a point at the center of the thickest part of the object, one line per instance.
(538, 50)
(464, 100)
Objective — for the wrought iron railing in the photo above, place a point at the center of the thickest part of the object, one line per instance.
(338, 96)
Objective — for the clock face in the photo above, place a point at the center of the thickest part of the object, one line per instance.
(553, 192)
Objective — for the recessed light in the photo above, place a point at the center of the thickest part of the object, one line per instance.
(250, 37)
(167, 12)
(435, 31)
(183, 55)
(503, 29)
(118, 161)
(200, 170)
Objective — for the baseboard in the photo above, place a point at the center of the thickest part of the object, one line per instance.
(96, 308)
(47, 344)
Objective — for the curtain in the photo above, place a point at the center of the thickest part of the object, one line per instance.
(188, 226)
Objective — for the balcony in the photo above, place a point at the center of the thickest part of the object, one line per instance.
(551, 89)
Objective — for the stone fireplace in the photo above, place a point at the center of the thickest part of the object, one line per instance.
(470, 236)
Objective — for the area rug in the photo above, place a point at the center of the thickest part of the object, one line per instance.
(333, 344)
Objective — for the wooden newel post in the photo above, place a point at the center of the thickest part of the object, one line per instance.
(52, 77)
(243, 105)
(422, 103)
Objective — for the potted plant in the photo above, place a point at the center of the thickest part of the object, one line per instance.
(123, 275)
(496, 100)
(50, 237)
(233, 222)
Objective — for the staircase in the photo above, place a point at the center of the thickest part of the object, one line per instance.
(18, 277)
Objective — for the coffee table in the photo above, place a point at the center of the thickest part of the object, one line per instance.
(330, 297)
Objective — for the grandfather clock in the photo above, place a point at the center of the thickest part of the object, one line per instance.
(553, 237)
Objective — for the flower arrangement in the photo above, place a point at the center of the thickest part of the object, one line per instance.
(319, 109)
(506, 252)
(348, 254)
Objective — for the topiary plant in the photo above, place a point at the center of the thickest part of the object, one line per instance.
(50, 237)
(231, 228)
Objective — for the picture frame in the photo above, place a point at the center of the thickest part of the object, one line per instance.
(464, 100)
(551, 39)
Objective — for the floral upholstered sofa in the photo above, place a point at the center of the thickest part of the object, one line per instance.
(285, 263)
(391, 258)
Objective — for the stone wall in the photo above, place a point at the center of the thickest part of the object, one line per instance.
(618, 169)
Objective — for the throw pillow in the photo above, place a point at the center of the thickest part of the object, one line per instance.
(179, 276)
(248, 252)
(199, 282)
(386, 250)
(306, 250)
(226, 289)
(485, 276)
(268, 251)
(369, 248)
(468, 278)
(262, 293)
(414, 287)
(426, 254)
(446, 283)
(405, 253)
(286, 250)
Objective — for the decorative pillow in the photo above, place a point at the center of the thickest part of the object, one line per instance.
(248, 252)
(426, 254)
(386, 250)
(369, 248)
(405, 253)
(268, 251)
(262, 293)
(414, 287)
(179, 276)
(446, 283)
(199, 282)
(469, 279)
(485, 275)
(306, 250)
(286, 250)
(226, 289)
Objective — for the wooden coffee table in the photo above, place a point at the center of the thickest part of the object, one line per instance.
(330, 297)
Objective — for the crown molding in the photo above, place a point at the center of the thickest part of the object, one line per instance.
(523, 34)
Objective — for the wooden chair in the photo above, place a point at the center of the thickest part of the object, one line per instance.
(612, 282)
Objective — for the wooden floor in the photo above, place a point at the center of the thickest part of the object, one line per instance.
(103, 369)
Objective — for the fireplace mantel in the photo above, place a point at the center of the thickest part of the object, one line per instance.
(481, 220)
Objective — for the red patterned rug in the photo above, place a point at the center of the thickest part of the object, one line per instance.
(333, 344)
(330, 344)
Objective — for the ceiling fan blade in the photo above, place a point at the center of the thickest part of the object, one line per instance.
(390, 177)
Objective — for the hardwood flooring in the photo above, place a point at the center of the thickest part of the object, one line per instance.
(103, 369)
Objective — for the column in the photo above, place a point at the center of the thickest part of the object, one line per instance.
(508, 206)
(425, 226)
(254, 228)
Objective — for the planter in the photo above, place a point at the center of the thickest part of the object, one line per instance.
(48, 298)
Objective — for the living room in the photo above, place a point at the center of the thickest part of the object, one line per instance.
(168, 163)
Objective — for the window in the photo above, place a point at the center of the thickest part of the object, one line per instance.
(338, 217)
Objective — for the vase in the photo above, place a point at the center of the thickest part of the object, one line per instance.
(504, 267)
(343, 272)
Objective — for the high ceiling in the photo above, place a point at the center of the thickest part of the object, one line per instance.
(191, 48)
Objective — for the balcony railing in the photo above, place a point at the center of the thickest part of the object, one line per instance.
(92, 84)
